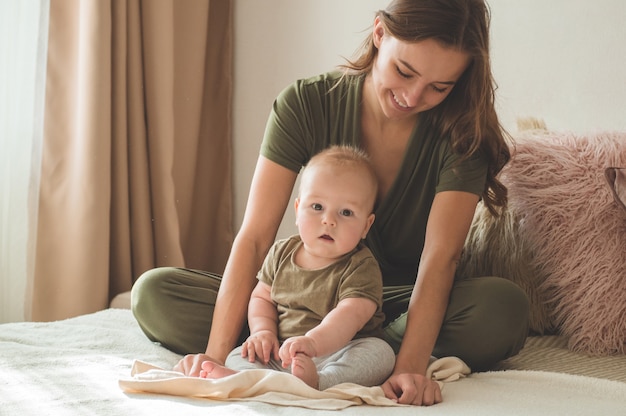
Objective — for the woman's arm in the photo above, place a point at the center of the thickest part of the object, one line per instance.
(448, 224)
(269, 195)
(270, 192)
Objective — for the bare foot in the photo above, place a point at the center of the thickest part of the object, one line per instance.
(214, 370)
(303, 367)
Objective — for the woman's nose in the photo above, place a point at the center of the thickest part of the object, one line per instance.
(413, 97)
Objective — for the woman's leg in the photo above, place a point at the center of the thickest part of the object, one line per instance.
(175, 306)
(486, 322)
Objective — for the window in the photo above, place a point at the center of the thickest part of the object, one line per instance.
(23, 34)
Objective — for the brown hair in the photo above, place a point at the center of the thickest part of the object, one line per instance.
(468, 114)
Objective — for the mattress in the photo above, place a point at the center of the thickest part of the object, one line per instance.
(81, 366)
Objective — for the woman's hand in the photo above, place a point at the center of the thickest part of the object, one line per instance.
(414, 389)
(191, 364)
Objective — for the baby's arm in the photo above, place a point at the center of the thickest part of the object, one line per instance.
(263, 322)
(333, 333)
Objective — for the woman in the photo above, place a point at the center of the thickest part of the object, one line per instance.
(420, 101)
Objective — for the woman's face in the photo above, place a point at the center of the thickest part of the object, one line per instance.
(411, 77)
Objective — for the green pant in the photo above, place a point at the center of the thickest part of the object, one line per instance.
(486, 320)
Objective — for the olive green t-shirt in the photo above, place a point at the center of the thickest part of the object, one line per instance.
(311, 115)
(304, 297)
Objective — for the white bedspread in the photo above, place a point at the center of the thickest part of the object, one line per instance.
(75, 367)
(275, 387)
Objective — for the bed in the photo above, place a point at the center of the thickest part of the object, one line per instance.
(568, 255)
(79, 366)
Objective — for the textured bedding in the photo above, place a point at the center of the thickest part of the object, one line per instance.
(78, 366)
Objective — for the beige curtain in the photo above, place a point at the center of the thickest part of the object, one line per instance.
(136, 169)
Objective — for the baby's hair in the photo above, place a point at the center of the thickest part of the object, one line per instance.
(345, 157)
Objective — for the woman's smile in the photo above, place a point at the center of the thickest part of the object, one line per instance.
(400, 103)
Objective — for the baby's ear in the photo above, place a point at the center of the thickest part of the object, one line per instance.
(368, 224)
(296, 205)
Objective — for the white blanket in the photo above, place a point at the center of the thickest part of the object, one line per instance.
(275, 387)
(74, 367)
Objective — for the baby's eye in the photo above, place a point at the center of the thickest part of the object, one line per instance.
(316, 207)
(346, 213)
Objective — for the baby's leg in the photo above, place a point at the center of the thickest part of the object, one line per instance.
(303, 367)
(364, 361)
(236, 362)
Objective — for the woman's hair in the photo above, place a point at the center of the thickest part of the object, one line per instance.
(468, 114)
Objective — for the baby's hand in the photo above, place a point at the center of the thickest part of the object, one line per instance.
(262, 344)
(295, 345)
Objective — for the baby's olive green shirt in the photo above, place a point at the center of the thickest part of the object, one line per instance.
(304, 297)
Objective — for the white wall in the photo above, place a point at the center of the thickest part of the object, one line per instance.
(559, 60)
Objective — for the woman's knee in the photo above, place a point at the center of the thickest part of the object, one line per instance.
(145, 298)
(503, 304)
(148, 288)
(487, 322)
(174, 306)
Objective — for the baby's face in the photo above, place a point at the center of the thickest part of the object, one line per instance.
(334, 211)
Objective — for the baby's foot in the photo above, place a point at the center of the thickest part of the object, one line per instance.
(303, 367)
(214, 370)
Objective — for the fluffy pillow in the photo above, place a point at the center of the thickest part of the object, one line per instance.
(494, 248)
(616, 177)
(563, 237)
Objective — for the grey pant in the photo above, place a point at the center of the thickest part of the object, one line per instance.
(364, 361)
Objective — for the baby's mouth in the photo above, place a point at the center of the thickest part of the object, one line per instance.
(326, 237)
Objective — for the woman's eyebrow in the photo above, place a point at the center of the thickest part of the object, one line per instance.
(417, 73)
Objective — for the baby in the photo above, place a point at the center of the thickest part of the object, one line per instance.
(316, 309)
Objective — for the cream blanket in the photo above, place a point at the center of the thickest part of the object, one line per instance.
(275, 387)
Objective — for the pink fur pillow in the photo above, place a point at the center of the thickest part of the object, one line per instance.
(494, 248)
(568, 236)
(616, 177)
